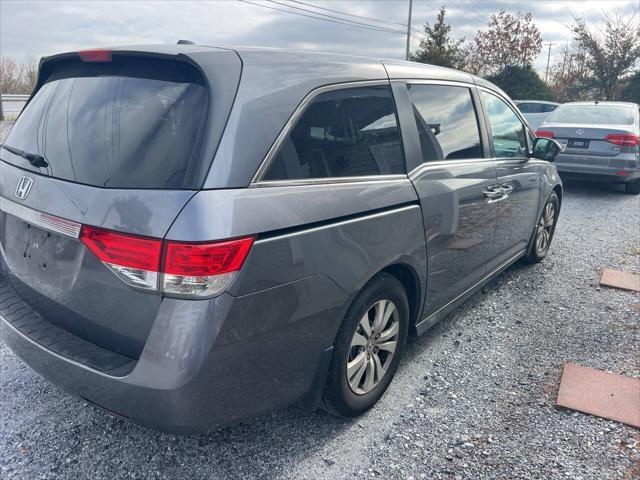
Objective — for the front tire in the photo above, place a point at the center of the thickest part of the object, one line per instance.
(632, 187)
(368, 347)
(545, 228)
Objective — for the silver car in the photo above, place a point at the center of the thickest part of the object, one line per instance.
(600, 141)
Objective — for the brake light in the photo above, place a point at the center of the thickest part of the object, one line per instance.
(122, 249)
(95, 55)
(206, 258)
(623, 139)
(202, 269)
(545, 133)
(184, 269)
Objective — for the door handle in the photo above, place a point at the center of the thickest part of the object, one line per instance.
(492, 192)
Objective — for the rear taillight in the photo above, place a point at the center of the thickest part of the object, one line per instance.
(96, 55)
(623, 139)
(174, 268)
(202, 269)
(545, 133)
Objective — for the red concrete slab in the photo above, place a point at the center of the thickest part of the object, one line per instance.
(620, 279)
(604, 394)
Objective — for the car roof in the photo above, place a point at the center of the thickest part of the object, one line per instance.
(604, 103)
(545, 102)
(360, 66)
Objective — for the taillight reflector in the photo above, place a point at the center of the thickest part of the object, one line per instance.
(623, 139)
(122, 249)
(203, 259)
(545, 133)
(96, 55)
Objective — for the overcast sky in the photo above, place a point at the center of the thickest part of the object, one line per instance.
(34, 29)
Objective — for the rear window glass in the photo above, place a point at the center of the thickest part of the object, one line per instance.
(344, 133)
(598, 114)
(536, 107)
(446, 121)
(130, 123)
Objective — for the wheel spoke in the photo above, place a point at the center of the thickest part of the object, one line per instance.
(378, 318)
(354, 365)
(366, 326)
(389, 333)
(389, 346)
(369, 380)
(378, 367)
(358, 340)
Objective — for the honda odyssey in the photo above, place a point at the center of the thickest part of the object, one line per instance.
(193, 235)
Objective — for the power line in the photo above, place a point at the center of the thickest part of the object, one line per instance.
(349, 14)
(341, 22)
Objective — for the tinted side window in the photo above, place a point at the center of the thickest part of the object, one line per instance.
(548, 108)
(344, 133)
(529, 107)
(446, 121)
(507, 131)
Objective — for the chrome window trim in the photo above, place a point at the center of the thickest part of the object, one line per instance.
(451, 83)
(53, 223)
(297, 113)
(442, 163)
(339, 223)
(329, 180)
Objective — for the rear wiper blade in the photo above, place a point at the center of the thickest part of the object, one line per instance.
(34, 159)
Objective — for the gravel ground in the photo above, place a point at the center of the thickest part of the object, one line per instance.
(474, 398)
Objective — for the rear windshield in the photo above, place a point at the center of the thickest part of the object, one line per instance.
(598, 114)
(129, 123)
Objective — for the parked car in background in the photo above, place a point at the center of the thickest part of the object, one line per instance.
(192, 235)
(599, 140)
(535, 111)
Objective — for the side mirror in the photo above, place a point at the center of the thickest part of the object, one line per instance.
(546, 149)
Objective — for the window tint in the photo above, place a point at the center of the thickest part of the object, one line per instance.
(446, 122)
(508, 132)
(122, 124)
(529, 107)
(345, 133)
(547, 107)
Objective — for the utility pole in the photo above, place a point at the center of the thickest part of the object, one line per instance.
(546, 76)
(408, 52)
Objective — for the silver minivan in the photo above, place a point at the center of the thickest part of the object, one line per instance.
(193, 235)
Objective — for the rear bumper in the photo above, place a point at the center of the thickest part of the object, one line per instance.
(207, 363)
(599, 177)
(622, 168)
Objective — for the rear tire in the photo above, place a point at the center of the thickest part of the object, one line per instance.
(362, 366)
(545, 228)
(632, 188)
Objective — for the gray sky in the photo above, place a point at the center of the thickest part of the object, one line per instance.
(34, 29)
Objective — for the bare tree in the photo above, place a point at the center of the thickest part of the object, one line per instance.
(611, 52)
(29, 75)
(512, 40)
(10, 76)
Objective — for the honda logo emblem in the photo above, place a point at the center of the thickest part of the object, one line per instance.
(579, 131)
(24, 187)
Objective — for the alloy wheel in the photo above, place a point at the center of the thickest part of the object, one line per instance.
(373, 346)
(545, 228)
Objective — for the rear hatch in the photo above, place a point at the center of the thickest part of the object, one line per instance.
(115, 140)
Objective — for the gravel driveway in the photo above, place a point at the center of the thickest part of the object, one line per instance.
(473, 399)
